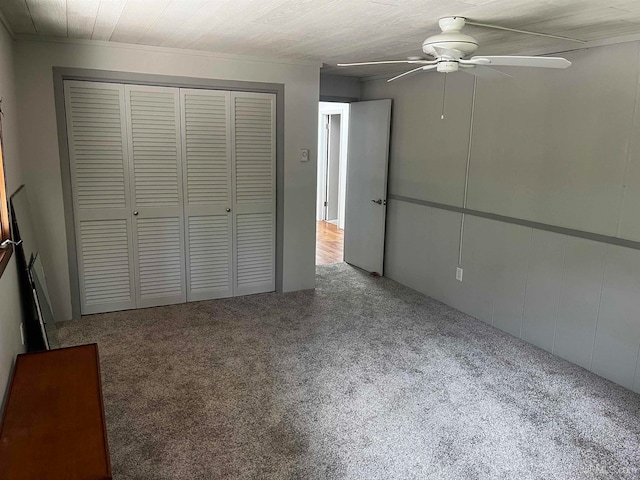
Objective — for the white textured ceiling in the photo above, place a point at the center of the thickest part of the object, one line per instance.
(329, 31)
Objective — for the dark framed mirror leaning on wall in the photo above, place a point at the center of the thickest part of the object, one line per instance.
(33, 285)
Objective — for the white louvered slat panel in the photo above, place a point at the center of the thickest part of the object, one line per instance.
(156, 170)
(207, 155)
(99, 162)
(206, 130)
(254, 139)
(209, 254)
(253, 156)
(160, 258)
(104, 256)
(154, 147)
(255, 241)
(97, 145)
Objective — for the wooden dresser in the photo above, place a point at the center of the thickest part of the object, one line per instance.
(53, 425)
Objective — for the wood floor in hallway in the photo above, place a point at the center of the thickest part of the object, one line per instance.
(329, 243)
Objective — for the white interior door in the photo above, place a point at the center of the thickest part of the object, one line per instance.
(254, 191)
(97, 139)
(366, 195)
(323, 142)
(154, 135)
(206, 127)
(333, 171)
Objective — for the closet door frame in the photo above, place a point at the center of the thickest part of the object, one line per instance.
(60, 74)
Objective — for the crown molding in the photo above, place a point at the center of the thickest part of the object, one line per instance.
(158, 49)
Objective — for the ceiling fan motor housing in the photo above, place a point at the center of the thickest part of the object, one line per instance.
(450, 39)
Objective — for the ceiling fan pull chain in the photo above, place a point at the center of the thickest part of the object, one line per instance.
(444, 94)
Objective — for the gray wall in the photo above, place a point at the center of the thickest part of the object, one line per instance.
(555, 147)
(338, 88)
(10, 308)
(39, 140)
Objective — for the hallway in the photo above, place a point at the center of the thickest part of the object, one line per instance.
(329, 243)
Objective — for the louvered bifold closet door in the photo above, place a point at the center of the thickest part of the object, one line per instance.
(206, 127)
(96, 133)
(157, 195)
(254, 182)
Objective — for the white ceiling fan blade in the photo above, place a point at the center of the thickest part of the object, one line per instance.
(527, 32)
(388, 62)
(426, 67)
(517, 61)
(485, 72)
(475, 61)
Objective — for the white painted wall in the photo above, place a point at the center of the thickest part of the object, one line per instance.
(39, 142)
(555, 147)
(10, 308)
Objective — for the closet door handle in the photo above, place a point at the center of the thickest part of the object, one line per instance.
(135, 213)
(228, 209)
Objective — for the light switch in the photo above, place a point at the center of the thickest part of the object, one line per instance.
(304, 154)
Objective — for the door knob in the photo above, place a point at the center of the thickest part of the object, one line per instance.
(228, 209)
(135, 213)
(378, 201)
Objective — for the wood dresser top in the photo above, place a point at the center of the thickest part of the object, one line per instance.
(53, 425)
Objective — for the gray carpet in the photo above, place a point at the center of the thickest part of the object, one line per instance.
(360, 379)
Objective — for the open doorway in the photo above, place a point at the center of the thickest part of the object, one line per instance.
(333, 131)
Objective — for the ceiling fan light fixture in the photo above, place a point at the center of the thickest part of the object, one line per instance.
(448, 67)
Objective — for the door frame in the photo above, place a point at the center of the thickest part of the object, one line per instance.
(60, 74)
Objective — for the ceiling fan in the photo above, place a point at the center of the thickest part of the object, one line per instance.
(451, 46)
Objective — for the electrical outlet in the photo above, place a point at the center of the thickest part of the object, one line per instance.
(22, 332)
(459, 274)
